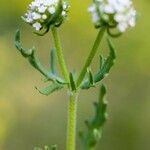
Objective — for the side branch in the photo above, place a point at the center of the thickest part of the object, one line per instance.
(91, 56)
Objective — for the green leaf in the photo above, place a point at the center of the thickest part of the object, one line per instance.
(24, 52)
(50, 89)
(34, 60)
(91, 79)
(105, 66)
(107, 63)
(52, 61)
(72, 82)
(31, 56)
(95, 125)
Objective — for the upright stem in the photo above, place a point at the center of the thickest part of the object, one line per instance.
(60, 54)
(71, 133)
(71, 129)
(91, 56)
(72, 108)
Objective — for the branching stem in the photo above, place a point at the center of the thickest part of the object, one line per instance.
(72, 108)
(91, 56)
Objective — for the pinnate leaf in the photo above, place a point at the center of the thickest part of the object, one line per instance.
(105, 66)
(95, 125)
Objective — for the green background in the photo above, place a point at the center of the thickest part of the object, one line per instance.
(28, 119)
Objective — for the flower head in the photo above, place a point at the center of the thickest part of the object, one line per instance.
(44, 13)
(118, 14)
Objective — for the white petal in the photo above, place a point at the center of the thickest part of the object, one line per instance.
(36, 16)
(37, 26)
(44, 17)
(51, 10)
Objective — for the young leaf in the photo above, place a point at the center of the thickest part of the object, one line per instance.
(91, 79)
(72, 82)
(50, 89)
(106, 65)
(95, 125)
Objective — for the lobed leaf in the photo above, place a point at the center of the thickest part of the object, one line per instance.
(95, 125)
(105, 66)
(34, 60)
(24, 52)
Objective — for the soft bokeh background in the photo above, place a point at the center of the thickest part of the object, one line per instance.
(28, 119)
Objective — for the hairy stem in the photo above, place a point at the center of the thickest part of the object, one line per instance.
(91, 56)
(60, 54)
(71, 133)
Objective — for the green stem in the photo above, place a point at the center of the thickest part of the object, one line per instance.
(60, 54)
(91, 56)
(71, 133)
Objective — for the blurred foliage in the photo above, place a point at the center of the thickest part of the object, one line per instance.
(28, 119)
(95, 125)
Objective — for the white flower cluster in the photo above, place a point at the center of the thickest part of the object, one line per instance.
(115, 13)
(40, 11)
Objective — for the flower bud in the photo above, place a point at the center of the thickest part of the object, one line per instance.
(42, 14)
(118, 14)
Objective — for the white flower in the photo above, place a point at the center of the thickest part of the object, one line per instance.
(36, 16)
(63, 13)
(117, 13)
(28, 18)
(44, 17)
(37, 26)
(52, 10)
(40, 11)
